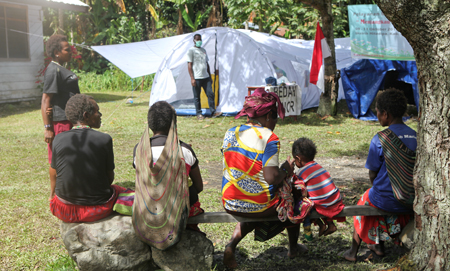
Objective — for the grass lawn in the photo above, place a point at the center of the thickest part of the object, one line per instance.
(29, 234)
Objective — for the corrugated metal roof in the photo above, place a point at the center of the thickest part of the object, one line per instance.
(70, 2)
(74, 5)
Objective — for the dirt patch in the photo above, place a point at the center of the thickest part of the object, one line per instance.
(345, 170)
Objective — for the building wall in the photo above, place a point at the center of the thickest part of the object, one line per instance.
(18, 78)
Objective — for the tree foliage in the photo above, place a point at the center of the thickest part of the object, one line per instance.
(122, 21)
(300, 19)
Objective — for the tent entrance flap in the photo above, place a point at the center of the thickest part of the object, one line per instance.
(215, 87)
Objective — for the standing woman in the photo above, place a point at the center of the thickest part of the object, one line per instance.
(59, 85)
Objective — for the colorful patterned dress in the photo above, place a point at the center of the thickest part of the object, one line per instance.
(246, 150)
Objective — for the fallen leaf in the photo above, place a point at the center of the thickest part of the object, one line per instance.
(329, 132)
(205, 182)
(337, 167)
(206, 126)
(331, 124)
(207, 161)
(291, 142)
(219, 123)
(370, 257)
(337, 132)
(284, 137)
(325, 117)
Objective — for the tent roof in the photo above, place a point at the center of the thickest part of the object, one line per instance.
(143, 58)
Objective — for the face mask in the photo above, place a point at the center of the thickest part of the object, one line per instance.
(198, 43)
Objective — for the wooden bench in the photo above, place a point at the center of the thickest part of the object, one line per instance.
(223, 217)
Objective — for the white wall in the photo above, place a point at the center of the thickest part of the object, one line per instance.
(17, 78)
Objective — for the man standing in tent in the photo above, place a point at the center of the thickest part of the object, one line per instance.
(198, 68)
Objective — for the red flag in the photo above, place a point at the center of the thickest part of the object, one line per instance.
(321, 51)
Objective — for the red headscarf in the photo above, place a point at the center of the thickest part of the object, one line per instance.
(260, 103)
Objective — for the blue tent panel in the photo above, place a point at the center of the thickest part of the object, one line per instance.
(205, 112)
(364, 78)
(186, 107)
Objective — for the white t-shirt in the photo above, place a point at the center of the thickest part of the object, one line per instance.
(199, 60)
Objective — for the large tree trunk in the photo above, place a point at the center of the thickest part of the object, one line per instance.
(426, 25)
(328, 99)
(180, 22)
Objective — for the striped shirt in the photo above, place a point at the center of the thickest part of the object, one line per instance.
(321, 188)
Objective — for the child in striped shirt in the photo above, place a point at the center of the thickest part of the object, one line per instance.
(320, 186)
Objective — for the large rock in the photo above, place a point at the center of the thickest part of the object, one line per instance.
(193, 252)
(107, 244)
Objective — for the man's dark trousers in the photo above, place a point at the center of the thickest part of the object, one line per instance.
(206, 83)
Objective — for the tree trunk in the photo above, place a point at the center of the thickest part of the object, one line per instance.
(180, 22)
(426, 25)
(60, 21)
(153, 26)
(328, 99)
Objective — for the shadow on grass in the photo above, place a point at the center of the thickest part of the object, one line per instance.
(361, 150)
(104, 97)
(311, 118)
(18, 108)
(323, 253)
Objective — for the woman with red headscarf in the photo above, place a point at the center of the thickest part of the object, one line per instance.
(251, 175)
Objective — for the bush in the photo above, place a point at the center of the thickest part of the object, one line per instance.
(112, 79)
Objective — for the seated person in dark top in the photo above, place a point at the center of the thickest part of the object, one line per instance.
(159, 121)
(82, 168)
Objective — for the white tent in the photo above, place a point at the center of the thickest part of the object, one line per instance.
(243, 58)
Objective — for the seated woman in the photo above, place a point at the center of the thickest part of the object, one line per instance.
(251, 176)
(159, 120)
(82, 168)
(390, 162)
(163, 199)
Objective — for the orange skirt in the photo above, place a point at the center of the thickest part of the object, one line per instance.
(373, 229)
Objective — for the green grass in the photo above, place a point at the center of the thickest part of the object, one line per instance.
(29, 234)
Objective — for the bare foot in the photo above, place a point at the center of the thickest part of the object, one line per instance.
(322, 229)
(228, 258)
(331, 228)
(348, 255)
(377, 249)
(298, 251)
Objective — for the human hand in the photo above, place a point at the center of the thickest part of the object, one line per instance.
(193, 83)
(288, 166)
(291, 163)
(49, 111)
(48, 136)
(52, 195)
